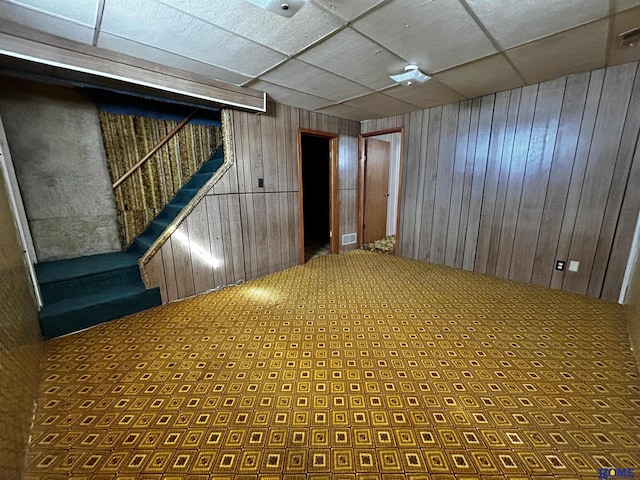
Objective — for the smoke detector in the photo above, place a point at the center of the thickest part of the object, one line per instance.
(285, 8)
(411, 75)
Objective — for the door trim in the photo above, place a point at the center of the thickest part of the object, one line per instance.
(16, 206)
(334, 219)
(361, 157)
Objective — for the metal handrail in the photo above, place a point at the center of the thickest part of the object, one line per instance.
(158, 146)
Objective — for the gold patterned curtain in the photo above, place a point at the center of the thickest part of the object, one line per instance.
(141, 197)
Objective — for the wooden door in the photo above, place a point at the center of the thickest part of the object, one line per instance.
(376, 189)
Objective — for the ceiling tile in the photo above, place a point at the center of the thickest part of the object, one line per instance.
(515, 23)
(488, 75)
(573, 51)
(290, 97)
(618, 24)
(303, 77)
(145, 52)
(381, 104)
(286, 35)
(426, 95)
(84, 12)
(72, 28)
(348, 9)
(360, 59)
(348, 112)
(437, 34)
(165, 28)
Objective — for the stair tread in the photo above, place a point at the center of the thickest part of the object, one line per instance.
(59, 270)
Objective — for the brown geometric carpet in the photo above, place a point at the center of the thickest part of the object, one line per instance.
(357, 365)
(384, 245)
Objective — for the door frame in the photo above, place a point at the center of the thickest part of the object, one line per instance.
(16, 206)
(334, 225)
(362, 138)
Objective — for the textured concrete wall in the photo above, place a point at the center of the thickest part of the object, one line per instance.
(21, 347)
(57, 150)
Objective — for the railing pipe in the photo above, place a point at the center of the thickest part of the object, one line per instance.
(160, 144)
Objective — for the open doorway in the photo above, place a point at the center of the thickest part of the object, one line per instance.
(317, 154)
(379, 185)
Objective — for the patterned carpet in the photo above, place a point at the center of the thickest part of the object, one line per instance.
(385, 245)
(357, 365)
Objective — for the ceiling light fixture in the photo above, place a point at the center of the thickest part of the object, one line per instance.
(285, 8)
(411, 75)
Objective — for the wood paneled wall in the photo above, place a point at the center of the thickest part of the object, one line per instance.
(508, 183)
(240, 231)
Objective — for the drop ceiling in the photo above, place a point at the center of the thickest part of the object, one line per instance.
(335, 56)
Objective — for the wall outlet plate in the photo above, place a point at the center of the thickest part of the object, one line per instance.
(560, 265)
(573, 265)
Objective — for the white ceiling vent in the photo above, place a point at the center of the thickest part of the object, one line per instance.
(286, 8)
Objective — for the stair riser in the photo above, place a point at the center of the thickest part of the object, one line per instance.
(88, 284)
(61, 324)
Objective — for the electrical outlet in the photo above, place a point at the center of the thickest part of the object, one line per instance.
(261, 183)
(560, 265)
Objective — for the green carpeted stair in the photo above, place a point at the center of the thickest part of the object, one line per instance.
(143, 241)
(82, 292)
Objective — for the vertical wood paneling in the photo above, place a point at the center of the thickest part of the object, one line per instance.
(481, 153)
(269, 153)
(243, 150)
(525, 177)
(516, 180)
(577, 175)
(457, 185)
(294, 230)
(536, 178)
(182, 261)
(259, 224)
(288, 254)
(612, 215)
(155, 276)
(233, 240)
(426, 181)
(291, 159)
(348, 214)
(474, 114)
(610, 119)
(444, 174)
(496, 143)
(255, 162)
(410, 184)
(559, 179)
(214, 208)
(200, 248)
(249, 235)
(503, 180)
(280, 133)
(171, 285)
(274, 233)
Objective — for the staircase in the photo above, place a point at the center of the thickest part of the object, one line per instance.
(82, 292)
